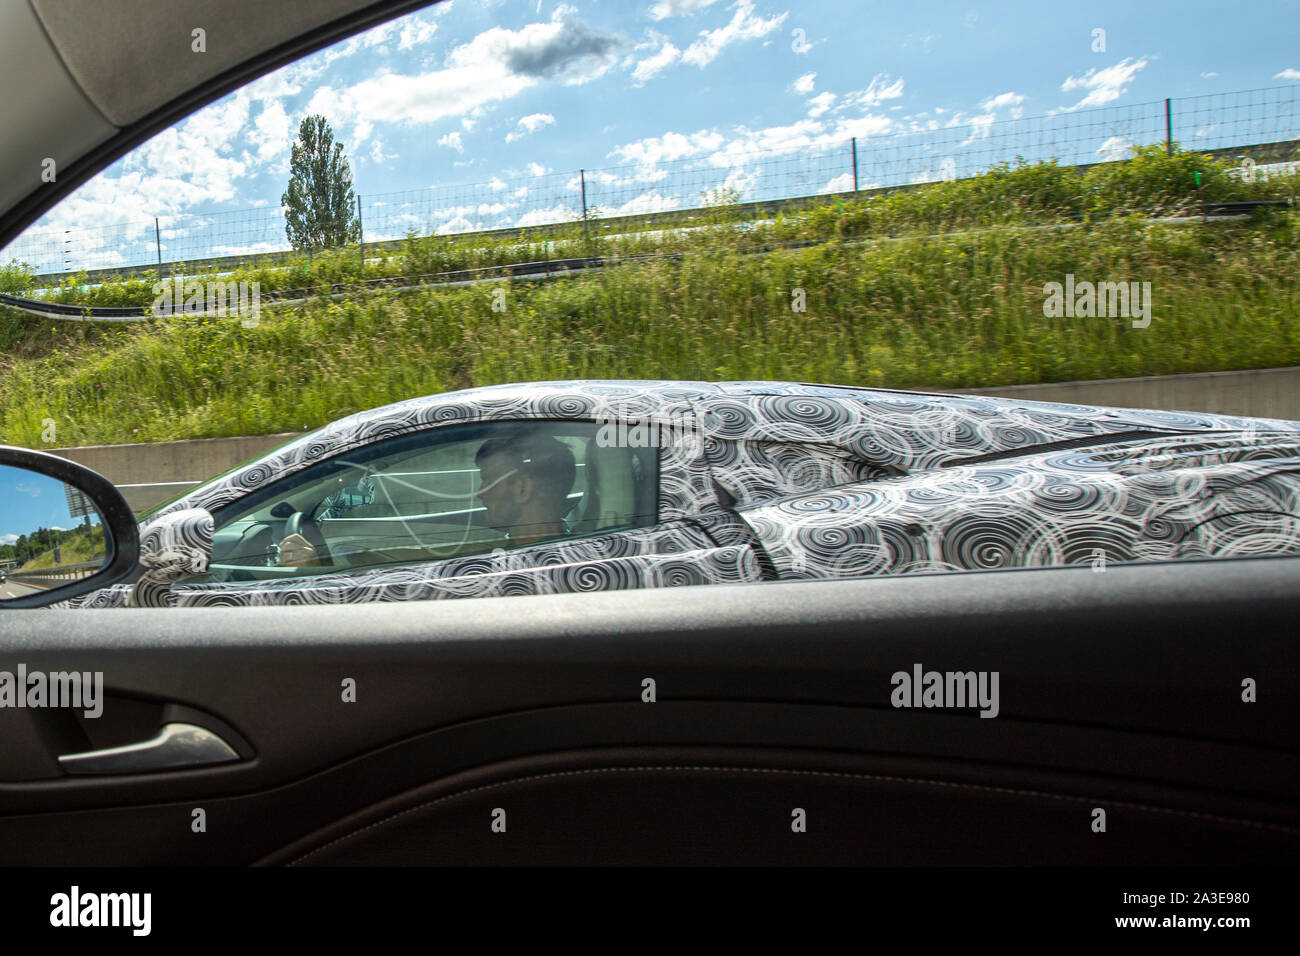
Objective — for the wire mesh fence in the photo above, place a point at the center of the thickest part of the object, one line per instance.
(701, 170)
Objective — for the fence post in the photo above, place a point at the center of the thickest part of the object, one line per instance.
(157, 238)
(361, 235)
(1169, 127)
(582, 176)
(854, 141)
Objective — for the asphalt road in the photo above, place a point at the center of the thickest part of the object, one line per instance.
(12, 589)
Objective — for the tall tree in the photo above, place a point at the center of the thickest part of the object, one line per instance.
(319, 204)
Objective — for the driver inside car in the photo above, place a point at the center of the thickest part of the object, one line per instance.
(524, 484)
(525, 480)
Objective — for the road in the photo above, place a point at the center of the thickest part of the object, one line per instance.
(12, 589)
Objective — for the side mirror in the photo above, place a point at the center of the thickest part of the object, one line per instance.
(172, 546)
(64, 530)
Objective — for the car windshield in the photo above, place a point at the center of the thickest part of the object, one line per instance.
(929, 289)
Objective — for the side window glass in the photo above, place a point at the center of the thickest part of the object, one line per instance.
(451, 493)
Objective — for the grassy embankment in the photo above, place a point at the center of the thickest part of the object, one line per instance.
(946, 290)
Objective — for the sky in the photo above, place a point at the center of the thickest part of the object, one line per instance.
(31, 501)
(476, 114)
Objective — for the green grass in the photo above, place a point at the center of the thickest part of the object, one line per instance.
(77, 546)
(962, 309)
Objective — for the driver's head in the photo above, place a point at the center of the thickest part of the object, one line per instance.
(525, 480)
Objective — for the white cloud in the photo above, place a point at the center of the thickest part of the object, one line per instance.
(497, 184)
(377, 154)
(879, 90)
(541, 217)
(192, 164)
(275, 130)
(459, 224)
(743, 26)
(1116, 147)
(740, 181)
(537, 169)
(530, 124)
(645, 203)
(979, 128)
(663, 9)
(8, 539)
(1002, 101)
(415, 32)
(820, 103)
(656, 149)
(1103, 86)
(252, 247)
(738, 148)
(840, 184)
(651, 66)
(453, 141)
(1210, 76)
(496, 65)
(602, 177)
(1287, 74)
(804, 85)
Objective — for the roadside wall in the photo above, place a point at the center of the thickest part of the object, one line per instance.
(148, 473)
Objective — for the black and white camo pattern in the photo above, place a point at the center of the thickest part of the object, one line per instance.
(758, 441)
(650, 557)
(757, 432)
(1143, 500)
(175, 546)
(733, 565)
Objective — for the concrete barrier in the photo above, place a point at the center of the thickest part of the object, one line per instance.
(151, 473)
(1262, 393)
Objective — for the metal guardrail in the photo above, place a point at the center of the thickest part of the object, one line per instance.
(49, 577)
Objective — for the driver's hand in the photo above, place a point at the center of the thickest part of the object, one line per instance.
(296, 552)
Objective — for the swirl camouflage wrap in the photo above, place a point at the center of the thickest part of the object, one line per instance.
(176, 545)
(1142, 500)
(835, 480)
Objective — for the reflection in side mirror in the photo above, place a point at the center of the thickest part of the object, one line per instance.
(61, 530)
(50, 533)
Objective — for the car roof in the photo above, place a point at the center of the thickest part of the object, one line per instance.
(861, 421)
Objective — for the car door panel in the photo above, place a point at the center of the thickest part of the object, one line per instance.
(1120, 692)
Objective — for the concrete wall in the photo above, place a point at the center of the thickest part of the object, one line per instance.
(151, 473)
(1263, 393)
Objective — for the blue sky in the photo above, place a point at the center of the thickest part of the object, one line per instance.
(31, 501)
(498, 103)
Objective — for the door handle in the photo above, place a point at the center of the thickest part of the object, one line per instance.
(176, 746)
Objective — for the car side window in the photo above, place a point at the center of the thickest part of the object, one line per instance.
(453, 492)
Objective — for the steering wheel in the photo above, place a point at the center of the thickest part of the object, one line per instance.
(301, 524)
